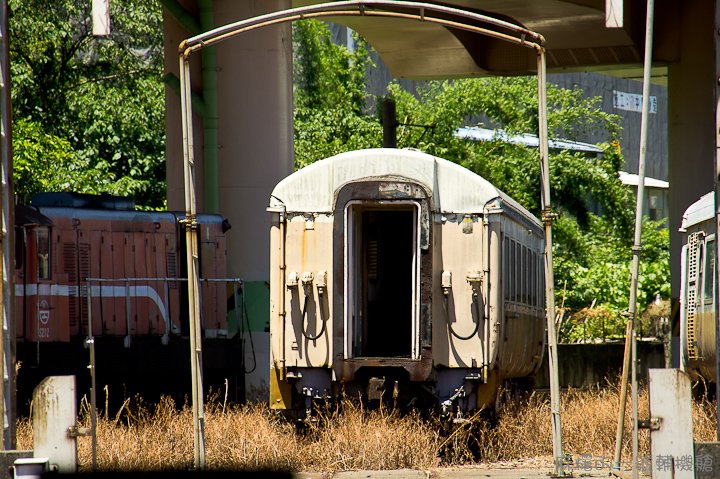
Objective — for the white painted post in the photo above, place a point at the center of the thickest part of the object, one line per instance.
(54, 417)
(672, 451)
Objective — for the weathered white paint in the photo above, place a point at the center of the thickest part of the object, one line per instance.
(671, 446)
(702, 210)
(454, 189)
(54, 412)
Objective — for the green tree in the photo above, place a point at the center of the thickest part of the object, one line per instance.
(329, 94)
(100, 98)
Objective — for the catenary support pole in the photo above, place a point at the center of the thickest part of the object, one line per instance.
(637, 247)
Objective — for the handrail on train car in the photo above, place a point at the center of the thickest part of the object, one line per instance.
(424, 12)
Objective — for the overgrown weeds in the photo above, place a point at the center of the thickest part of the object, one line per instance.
(159, 437)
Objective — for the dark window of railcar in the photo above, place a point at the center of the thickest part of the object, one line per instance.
(541, 280)
(538, 280)
(528, 276)
(43, 252)
(519, 273)
(523, 273)
(513, 271)
(708, 272)
(533, 279)
(506, 269)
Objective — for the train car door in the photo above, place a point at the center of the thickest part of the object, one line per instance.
(382, 274)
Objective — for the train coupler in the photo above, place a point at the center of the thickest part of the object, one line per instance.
(312, 395)
(448, 405)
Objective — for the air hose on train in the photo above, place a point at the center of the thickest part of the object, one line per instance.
(321, 292)
(476, 305)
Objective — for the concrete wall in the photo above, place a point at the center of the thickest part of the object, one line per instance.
(255, 152)
(585, 365)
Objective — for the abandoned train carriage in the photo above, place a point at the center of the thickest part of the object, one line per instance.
(697, 289)
(396, 274)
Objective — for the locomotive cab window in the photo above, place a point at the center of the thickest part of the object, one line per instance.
(382, 258)
(43, 251)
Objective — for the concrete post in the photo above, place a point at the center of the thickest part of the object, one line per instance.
(254, 88)
(691, 119)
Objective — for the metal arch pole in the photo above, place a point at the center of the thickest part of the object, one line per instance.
(360, 8)
(637, 247)
(547, 219)
(7, 332)
(192, 266)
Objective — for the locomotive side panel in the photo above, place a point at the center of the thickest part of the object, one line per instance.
(44, 304)
(156, 322)
(105, 302)
(697, 311)
(213, 257)
(172, 269)
(93, 255)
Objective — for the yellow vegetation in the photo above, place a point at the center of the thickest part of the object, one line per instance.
(141, 437)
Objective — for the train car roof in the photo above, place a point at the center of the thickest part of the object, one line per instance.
(702, 210)
(125, 215)
(455, 189)
(29, 216)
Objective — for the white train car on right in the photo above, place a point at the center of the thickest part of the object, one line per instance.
(697, 293)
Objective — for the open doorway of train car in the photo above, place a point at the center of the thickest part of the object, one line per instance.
(382, 279)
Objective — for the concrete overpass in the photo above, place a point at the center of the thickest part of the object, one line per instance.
(246, 88)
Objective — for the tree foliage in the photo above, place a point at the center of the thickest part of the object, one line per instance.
(329, 93)
(592, 251)
(98, 101)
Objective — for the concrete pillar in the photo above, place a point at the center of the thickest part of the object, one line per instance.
(691, 119)
(254, 82)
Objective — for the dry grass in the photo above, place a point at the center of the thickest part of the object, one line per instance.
(143, 437)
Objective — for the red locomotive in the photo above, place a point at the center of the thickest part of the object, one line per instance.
(86, 261)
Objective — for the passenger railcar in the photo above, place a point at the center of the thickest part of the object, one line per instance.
(396, 275)
(85, 257)
(697, 291)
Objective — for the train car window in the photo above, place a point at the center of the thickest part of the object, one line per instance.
(533, 279)
(541, 280)
(520, 277)
(43, 251)
(506, 269)
(512, 271)
(528, 276)
(709, 272)
(523, 274)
